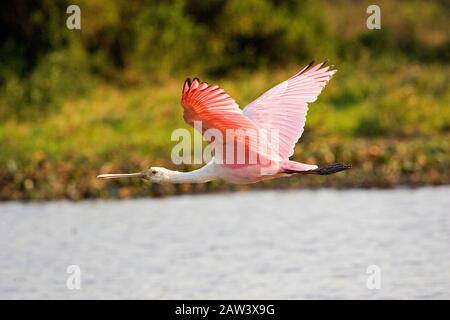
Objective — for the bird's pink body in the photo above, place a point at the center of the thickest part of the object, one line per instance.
(244, 174)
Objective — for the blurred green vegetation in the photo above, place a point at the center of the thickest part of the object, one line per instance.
(106, 98)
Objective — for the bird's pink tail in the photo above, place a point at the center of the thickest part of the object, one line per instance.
(296, 167)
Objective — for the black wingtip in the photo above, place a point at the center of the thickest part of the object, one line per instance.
(305, 68)
(309, 65)
(186, 82)
(200, 82)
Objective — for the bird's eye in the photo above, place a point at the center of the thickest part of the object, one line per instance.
(153, 171)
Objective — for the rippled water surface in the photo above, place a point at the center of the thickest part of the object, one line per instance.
(272, 244)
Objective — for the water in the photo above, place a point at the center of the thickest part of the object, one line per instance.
(262, 245)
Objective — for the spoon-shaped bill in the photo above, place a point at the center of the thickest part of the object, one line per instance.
(121, 175)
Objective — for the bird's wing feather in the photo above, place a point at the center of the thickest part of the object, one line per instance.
(284, 107)
(211, 105)
(215, 109)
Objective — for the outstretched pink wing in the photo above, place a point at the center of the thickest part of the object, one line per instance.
(211, 105)
(284, 107)
(215, 109)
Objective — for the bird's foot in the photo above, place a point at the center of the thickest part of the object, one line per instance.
(331, 168)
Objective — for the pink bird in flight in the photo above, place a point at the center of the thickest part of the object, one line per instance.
(281, 111)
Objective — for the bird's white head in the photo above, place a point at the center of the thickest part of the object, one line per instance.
(158, 174)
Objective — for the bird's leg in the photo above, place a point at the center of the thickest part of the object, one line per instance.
(329, 169)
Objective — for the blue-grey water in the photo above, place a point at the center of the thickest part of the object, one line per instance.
(265, 245)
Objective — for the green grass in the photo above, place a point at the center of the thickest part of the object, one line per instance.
(391, 122)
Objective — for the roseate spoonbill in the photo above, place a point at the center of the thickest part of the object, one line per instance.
(283, 108)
